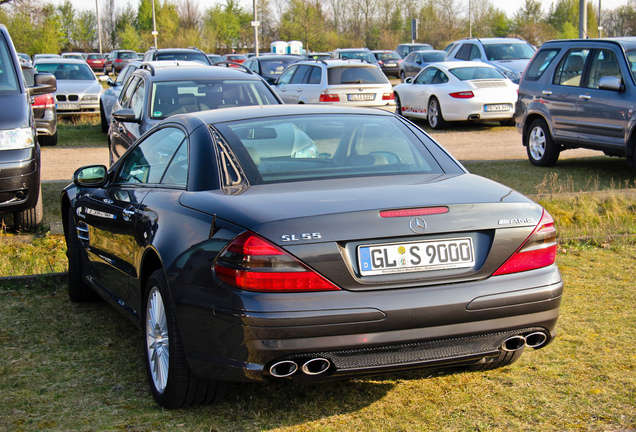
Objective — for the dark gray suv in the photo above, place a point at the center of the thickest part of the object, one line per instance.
(579, 94)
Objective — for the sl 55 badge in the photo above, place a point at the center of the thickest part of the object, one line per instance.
(299, 237)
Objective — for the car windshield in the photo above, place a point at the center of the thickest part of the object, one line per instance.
(475, 73)
(178, 97)
(509, 51)
(355, 75)
(67, 71)
(276, 67)
(8, 77)
(185, 56)
(631, 56)
(312, 147)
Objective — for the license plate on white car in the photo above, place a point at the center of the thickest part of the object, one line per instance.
(497, 107)
(67, 106)
(416, 256)
(361, 96)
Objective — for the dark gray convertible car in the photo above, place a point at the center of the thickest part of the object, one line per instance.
(309, 243)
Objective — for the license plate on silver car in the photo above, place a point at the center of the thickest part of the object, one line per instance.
(497, 107)
(416, 256)
(361, 96)
(67, 106)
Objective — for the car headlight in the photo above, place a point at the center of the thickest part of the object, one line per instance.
(89, 98)
(511, 75)
(16, 139)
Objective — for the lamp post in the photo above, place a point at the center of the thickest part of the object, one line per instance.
(99, 27)
(154, 24)
(255, 24)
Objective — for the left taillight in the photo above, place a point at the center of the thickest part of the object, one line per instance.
(388, 96)
(462, 95)
(539, 249)
(252, 263)
(44, 101)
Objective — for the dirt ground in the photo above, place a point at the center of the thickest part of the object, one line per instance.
(465, 143)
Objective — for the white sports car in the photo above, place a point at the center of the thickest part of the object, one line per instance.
(457, 91)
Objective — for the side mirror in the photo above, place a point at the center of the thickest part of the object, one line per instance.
(91, 176)
(125, 115)
(110, 82)
(409, 80)
(43, 83)
(103, 78)
(610, 83)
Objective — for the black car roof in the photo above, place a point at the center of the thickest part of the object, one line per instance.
(628, 42)
(256, 111)
(197, 72)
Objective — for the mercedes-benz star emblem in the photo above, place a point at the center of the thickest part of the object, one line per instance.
(417, 225)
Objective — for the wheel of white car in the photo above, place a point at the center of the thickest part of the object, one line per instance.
(402, 76)
(434, 114)
(172, 383)
(398, 105)
(539, 145)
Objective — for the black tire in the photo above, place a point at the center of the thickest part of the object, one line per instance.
(402, 76)
(398, 105)
(434, 114)
(102, 117)
(29, 219)
(172, 383)
(539, 144)
(105, 71)
(78, 290)
(505, 358)
(48, 140)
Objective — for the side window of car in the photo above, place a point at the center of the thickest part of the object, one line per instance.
(125, 95)
(147, 162)
(315, 75)
(177, 172)
(540, 63)
(427, 76)
(286, 76)
(570, 69)
(440, 78)
(604, 63)
(464, 52)
(299, 76)
(475, 53)
(137, 99)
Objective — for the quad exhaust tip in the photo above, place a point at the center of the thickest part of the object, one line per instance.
(316, 366)
(283, 369)
(533, 340)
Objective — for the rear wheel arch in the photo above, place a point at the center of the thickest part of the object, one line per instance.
(630, 148)
(529, 120)
(149, 264)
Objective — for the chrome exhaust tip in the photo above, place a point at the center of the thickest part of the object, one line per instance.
(536, 340)
(514, 343)
(283, 369)
(316, 366)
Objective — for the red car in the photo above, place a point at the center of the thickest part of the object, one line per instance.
(236, 58)
(95, 61)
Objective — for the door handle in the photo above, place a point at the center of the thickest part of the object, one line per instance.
(585, 97)
(546, 92)
(128, 212)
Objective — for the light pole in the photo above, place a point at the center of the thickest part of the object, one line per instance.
(99, 27)
(154, 24)
(255, 24)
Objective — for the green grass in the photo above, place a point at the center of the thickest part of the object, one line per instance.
(80, 131)
(65, 367)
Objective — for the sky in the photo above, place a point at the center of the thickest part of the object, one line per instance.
(508, 6)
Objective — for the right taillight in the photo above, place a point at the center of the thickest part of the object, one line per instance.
(539, 249)
(326, 97)
(252, 263)
(44, 101)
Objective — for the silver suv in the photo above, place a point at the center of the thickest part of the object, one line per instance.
(338, 82)
(579, 93)
(509, 55)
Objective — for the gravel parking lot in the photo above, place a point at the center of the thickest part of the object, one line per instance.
(466, 142)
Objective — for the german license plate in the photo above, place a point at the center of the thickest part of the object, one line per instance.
(416, 256)
(67, 106)
(497, 107)
(361, 96)
(391, 64)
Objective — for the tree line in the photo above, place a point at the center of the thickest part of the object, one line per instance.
(321, 25)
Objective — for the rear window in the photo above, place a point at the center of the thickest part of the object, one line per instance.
(178, 97)
(127, 55)
(295, 148)
(275, 67)
(474, 73)
(355, 75)
(388, 56)
(509, 51)
(184, 56)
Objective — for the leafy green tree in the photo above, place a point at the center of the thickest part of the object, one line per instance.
(85, 34)
(304, 21)
(66, 19)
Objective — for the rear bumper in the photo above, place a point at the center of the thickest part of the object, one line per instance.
(365, 332)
